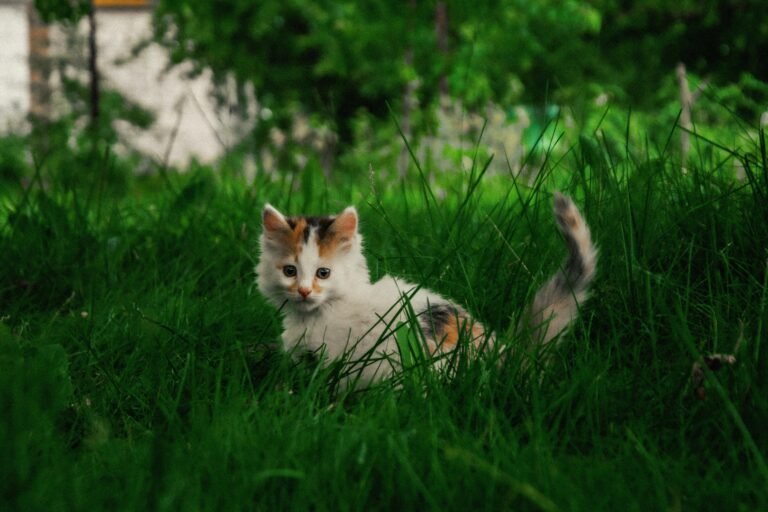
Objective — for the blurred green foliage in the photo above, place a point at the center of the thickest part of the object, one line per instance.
(335, 57)
(62, 10)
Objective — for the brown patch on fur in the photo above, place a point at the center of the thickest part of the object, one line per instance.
(316, 287)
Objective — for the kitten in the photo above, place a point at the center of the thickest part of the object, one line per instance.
(313, 269)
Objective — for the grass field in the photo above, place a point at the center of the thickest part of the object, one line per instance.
(139, 370)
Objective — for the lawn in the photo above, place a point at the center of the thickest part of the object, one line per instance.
(140, 367)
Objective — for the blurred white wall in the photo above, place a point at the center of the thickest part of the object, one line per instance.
(188, 123)
(14, 66)
(204, 131)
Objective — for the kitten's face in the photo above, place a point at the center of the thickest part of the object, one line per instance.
(308, 261)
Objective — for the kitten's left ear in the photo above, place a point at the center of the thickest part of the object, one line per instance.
(346, 223)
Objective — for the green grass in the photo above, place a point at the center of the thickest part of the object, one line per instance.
(138, 367)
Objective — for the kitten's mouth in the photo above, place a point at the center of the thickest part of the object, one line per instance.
(306, 304)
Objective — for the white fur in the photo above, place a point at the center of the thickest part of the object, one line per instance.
(351, 316)
(355, 318)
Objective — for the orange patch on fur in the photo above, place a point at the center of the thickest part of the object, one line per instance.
(296, 238)
(458, 326)
(316, 287)
(449, 338)
(291, 239)
(328, 245)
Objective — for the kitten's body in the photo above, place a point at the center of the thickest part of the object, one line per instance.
(360, 325)
(343, 313)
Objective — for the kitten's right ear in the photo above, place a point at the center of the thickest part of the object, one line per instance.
(273, 220)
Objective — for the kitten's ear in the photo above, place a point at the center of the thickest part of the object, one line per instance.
(346, 223)
(273, 220)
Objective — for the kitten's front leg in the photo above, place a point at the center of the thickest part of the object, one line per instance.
(294, 342)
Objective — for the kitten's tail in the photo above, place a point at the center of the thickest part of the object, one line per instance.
(556, 304)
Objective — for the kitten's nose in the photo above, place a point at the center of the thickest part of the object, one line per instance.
(304, 292)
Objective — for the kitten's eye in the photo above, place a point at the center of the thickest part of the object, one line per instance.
(289, 271)
(323, 273)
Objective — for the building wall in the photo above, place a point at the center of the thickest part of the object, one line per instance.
(14, 66)
(182, 105)
(188, 124)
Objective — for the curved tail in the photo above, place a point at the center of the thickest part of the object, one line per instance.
(556, 304)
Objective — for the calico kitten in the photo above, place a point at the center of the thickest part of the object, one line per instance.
(313, 268)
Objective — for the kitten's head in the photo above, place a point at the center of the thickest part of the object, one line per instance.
(307, 262)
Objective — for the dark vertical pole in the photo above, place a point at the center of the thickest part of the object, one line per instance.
(409, 93)
(39, 65)
(408, 60)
